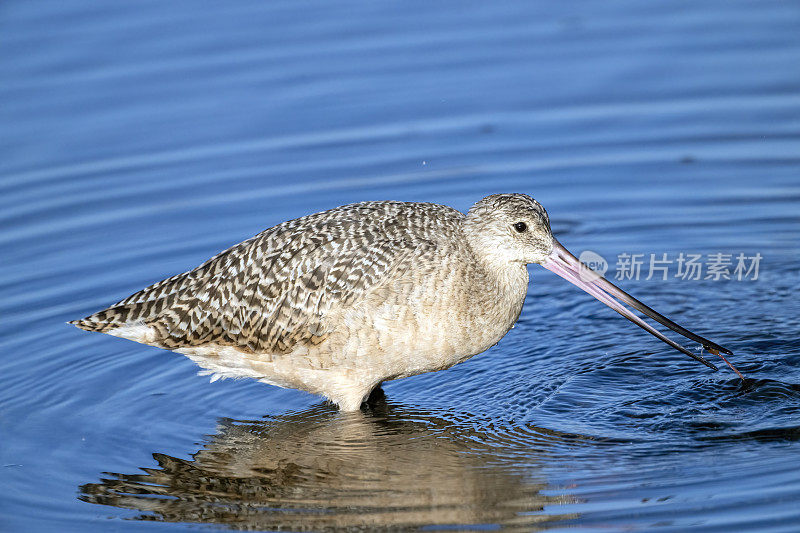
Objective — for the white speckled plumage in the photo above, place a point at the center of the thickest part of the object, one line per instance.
(337, 302)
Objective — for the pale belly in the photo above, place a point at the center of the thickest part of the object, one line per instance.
(396, 331)
(375, 341)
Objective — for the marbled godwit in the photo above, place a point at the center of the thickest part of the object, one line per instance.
(337, 302)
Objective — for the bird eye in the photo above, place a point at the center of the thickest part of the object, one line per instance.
(520, 227)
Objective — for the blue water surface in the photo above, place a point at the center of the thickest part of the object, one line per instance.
(137, 139)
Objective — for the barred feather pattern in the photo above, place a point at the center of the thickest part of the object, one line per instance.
(336, 302)
(276, 290)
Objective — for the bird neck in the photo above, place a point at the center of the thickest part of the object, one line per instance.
(511, 279)
(505, 285)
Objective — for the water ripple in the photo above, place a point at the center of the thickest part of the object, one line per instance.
(139, 140)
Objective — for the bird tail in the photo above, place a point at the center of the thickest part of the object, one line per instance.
(101, 321)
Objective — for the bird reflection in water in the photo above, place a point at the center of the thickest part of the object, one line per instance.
(321, 469)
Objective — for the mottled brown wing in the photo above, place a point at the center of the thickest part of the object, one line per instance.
(269, 293)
